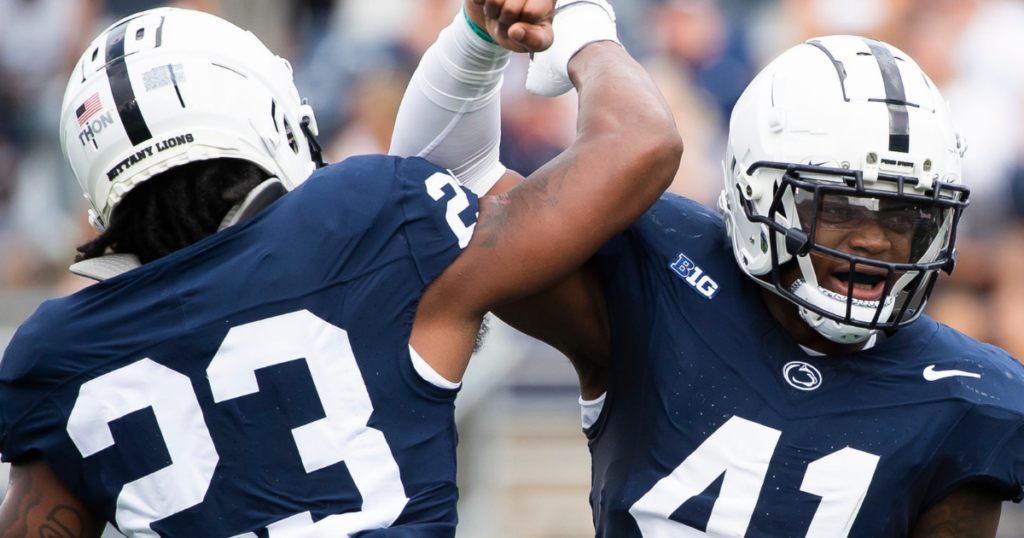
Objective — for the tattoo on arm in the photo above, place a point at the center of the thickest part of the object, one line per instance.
(14, 522)
(970, 512)
(63, 522)
(544, 187)
(36, 507)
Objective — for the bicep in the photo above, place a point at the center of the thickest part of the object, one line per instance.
(38, 503)
(969, 512)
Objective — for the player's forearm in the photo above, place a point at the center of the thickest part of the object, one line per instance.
(450, 114)
(623, 119)
(39, 504)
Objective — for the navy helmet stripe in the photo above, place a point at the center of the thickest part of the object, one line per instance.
(121, 87)
(895, 97)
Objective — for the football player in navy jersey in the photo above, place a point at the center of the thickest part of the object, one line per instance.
(258, 362)
(767, 371)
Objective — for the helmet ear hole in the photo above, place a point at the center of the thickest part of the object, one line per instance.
(273, 115)
(291, 135)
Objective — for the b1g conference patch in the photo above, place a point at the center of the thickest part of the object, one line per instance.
(694, 276)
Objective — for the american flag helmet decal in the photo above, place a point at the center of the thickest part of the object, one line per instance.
(89, 108)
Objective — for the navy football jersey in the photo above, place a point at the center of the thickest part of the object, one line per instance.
(259, 382)
(717, 423)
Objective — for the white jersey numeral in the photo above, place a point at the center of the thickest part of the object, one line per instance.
(458, 204)
(742, 450)
(340, 436)
(343, 435)
(135, 387)
(841, 479)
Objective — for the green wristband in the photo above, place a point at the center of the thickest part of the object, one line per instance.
(480, 32)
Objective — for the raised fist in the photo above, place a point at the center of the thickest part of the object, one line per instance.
(517, 25)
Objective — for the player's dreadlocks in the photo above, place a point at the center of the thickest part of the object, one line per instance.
(175, 209)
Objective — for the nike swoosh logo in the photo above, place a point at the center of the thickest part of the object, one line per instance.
(931, 375)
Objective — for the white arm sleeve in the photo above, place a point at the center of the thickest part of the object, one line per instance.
(451, 112)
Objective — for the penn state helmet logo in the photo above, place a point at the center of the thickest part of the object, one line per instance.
(801, 375)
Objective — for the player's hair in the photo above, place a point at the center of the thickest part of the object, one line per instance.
(175, 209)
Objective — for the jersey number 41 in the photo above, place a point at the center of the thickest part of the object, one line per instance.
(742, 449)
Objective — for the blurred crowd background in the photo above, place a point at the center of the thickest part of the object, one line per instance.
(352, 59)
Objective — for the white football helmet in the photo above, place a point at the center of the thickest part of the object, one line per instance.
(167, 87)
(842, 150)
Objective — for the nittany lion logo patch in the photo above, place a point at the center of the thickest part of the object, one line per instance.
(801, 375)
(685, 269)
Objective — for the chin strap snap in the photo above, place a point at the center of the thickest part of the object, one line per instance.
(951, 263)
(95, 221)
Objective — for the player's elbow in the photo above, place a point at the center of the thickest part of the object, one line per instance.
(656, 150)
(667, 153)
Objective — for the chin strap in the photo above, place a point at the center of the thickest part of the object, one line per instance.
(311, 130)
(111, 265)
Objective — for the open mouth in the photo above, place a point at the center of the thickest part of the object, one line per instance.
(866, 286)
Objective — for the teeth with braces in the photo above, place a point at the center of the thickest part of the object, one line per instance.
(840, 297)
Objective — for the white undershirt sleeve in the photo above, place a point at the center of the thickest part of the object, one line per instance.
(590, 410)
(429, 374)
(451, 112)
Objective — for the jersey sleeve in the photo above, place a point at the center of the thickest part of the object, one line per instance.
(1006, 465)
(440, 215)
(986, 447)
(986, 444)
(29, 422)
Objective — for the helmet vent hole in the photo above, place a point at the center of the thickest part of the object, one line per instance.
(291, 135)
(95, 53)
(235, 71)
(140, 35)
(273, 114)
(863, 54)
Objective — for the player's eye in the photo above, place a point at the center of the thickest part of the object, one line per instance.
(832, 213)
(901, 222)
